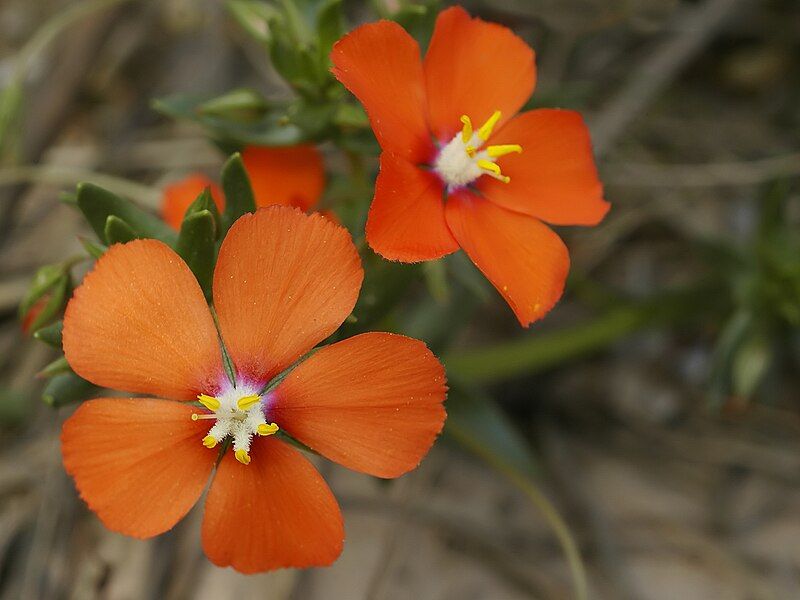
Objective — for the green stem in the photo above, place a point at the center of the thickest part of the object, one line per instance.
(532, 354)
(542, 504)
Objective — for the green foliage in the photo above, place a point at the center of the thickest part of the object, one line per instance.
(47, 295)
(51, 334)
(67, 388)
(98, 204)
(196, 241)
(239, 197)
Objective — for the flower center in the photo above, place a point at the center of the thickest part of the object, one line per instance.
(239, 414)
(463, 159)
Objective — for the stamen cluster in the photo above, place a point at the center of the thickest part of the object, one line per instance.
(462, 161)
(239, 414)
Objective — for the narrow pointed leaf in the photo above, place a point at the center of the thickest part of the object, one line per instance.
(67, 388)
(239, 197)
(50, 335)
(196, 246)
(98, 204)
(57, 367)
(118, 231)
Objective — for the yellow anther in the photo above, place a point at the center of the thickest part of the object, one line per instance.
(466, 130)
(470, 151)
(246, 402)
(486, 129)
(210, 441)
(502, 150)
(493, 170)
(242, 456)
(209, 402)
(488, 165)
(267, 429)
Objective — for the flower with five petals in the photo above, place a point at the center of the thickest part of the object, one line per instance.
(459, 167)
(284, 281)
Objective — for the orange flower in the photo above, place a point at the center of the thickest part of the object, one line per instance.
(291, 176)
(458, 168)
(178, 196)
(284, 281)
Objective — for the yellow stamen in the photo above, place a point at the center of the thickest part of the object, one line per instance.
(246, 402)
(209, 402)
(466, 131)
(470, 151)
(488, 165)
(502, 150)
(198, 416)
(242, 456)
(209, 441)
(486, 129)
(267, 429)
(493, 170)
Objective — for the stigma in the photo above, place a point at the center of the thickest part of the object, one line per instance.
(238, 415)
(464, 159)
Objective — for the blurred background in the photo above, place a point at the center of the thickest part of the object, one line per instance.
(656, 409)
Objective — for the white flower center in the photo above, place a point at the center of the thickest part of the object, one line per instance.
(463, 160)
(238, 414)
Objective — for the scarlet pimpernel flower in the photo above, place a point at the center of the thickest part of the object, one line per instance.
(290, 176)
(283, 282)
(458, 169)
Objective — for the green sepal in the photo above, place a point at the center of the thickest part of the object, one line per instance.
(67, 388)
(92, 248)
(239, 197)
(118, 231)
(98, 204)
(196, 246)
(242, 104)
(52, 284)
(51, 334)
(57, 367)
(205, 202)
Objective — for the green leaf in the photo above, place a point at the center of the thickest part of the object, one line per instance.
(57, 367)
(118, 231)
(46, 296)
(475, 421)
(252, 17)
(98, 204)
(51, 334)
(330, 26)
(239, 197)
(196, 246)
(272, 128)
(67, 388)
(240, 104)
(750, 364)
(94, 249)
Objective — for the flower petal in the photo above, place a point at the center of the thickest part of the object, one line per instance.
(137, 462)
(292, 175)
(380, 64)
(178, 196)
(474, 68)
(284, 282)
(372, 403)
(523, 258)
(555, 178)
(275, 512)
(139, 323)
(406, 220)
